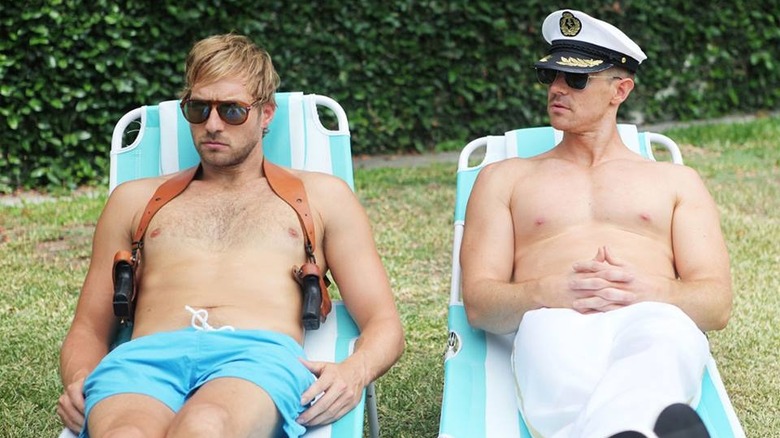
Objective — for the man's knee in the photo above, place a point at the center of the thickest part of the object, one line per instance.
(202, 420)
(129, 415)
(122, 431)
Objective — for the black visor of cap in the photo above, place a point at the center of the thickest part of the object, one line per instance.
(610, 57)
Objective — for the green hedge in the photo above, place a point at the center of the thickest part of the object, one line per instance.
(412, 75)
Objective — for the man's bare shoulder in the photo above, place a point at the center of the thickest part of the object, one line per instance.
(681, 170)
(679, 173)
(508, 168)
(139, 188)
(688, 181)
(501, 176)
(330, 196)
(322, 184)
(129, 198)
(682, 181)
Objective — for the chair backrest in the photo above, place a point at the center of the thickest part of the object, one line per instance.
(526, 143)
(297, 139)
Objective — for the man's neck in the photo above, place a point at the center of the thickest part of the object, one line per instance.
(592, 147)
(235, 175)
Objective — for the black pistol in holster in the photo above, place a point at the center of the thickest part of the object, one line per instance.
(124, 286)
(315, 299)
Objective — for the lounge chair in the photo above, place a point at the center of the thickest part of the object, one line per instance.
(479, 392)
(155, 140)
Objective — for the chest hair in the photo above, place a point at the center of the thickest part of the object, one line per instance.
(226, 220)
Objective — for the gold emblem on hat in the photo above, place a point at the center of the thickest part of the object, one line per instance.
(579, 62)
(570, 25)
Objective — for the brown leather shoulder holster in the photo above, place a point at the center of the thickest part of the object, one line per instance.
(314, 285)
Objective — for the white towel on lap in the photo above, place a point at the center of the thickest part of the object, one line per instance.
(599, 374)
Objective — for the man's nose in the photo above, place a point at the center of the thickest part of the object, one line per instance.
(214, 123)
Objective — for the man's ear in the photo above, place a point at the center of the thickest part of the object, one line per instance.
(268, 110)
(622, 90)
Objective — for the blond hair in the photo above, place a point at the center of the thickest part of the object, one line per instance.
(229, 55)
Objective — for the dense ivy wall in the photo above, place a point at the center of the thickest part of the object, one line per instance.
(412, 75)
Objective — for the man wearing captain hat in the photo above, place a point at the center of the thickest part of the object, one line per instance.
(609, 266)
(583, 44)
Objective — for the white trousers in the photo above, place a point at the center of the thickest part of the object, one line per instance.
(595, 375)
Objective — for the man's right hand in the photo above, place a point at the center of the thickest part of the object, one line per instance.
(602, 284)
(70, 406)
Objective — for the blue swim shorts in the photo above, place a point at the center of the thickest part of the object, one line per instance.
(171, 366)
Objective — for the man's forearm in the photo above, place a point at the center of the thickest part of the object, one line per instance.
(707, 302)
(79, 356)
(379, 347)
(498, 307)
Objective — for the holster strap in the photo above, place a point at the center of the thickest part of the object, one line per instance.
(167, 191)
(290, 188)
(283, 183)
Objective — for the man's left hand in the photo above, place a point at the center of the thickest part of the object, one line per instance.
(604, 283)
(337, 390)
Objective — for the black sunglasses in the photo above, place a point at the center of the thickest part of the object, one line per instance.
(232, 112)
(577, 81)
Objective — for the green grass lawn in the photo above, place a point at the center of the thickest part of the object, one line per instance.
(45, 249)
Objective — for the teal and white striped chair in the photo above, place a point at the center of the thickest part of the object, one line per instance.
(161, 143)
(479, 391)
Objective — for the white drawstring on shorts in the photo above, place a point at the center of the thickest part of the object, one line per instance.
(201, 316)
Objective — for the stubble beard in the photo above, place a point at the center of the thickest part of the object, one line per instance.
(231, 158)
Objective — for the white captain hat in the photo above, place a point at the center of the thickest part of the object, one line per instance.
(583, 44)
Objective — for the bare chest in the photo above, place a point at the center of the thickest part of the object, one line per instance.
(224, 222)
(631, 201)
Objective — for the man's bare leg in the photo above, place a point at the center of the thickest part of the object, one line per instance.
(129, 415)
(227, 407)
